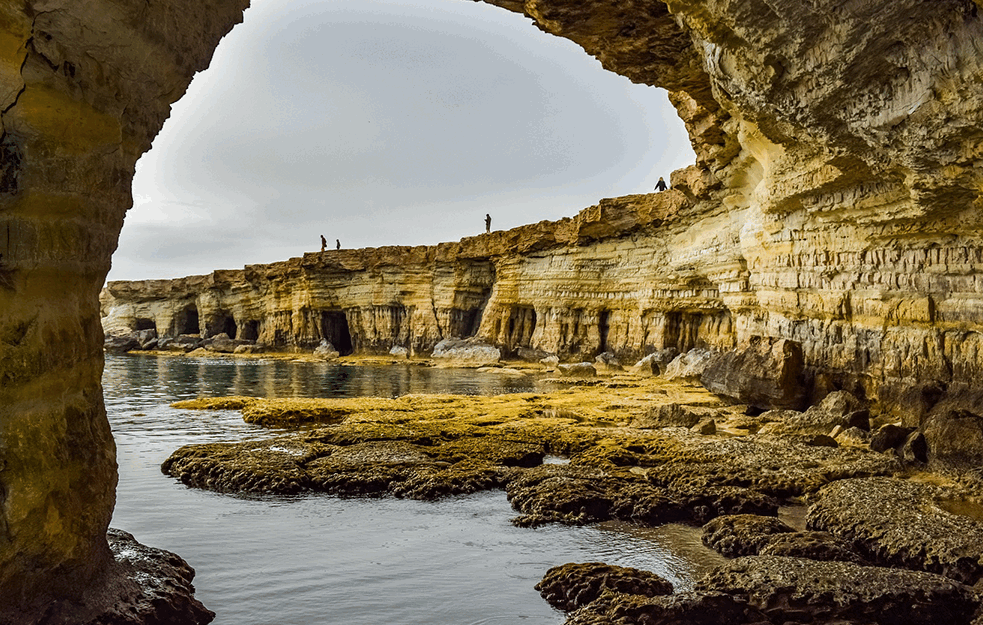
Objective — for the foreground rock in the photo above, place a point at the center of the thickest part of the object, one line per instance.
(903, 523)
(786, 591)
(573, 586)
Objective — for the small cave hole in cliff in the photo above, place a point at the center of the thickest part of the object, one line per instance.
(603, 326)
(187, 321)
(250, 330)
(145, 324)
(229, 327)
(334, 327)
(522, 324)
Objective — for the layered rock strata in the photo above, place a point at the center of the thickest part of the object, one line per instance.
(837, 204)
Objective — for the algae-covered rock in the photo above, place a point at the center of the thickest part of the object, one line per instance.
(742, 534)
(573, 586)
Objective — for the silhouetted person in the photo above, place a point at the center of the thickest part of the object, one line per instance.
(661, 185)
(337, 244)
(487, 222)
(324, 243)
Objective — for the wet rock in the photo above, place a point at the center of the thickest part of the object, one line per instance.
(811, 545)
(573, 586)
(902, 523)
(684, 608)
(326, 351)
(742, 534)
(577, 370)
(465, 353)
(121, 344)
(688, 366)
(888, 437)
(399, 351)
(797, 590)
(656, 362)
(767, 374)
(915, 449)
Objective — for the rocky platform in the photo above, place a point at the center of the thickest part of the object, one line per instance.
(880, 545)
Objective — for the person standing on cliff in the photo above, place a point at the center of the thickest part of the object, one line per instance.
(337, 244)
(487, 222)
(661, 185)
(324, 243)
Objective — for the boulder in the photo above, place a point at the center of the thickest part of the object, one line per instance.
(222, 343)
(954, 438)
(689, 365)
(145, 337)
(767, 374)
(248, 349)
(656, 362)
(577, 370)
(673, 415)
(121, 344)
(888, 437)
(607, 362)
(551, 362)
(465, 353)
(326, 351)
(399, 351)
(706, 427)
(530, 354)
(915, 449)
(853, 436)
(839, 408)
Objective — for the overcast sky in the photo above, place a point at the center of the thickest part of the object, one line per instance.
(385, 122)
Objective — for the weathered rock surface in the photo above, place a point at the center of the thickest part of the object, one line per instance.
(767, 374)
(573, 586)
(742, 535)
(465, 353)
(906, 524)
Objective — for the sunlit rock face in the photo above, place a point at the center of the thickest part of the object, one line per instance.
(84, 87)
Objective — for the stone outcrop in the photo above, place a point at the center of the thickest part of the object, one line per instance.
(835, 203)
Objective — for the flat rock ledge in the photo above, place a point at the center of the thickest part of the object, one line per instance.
(778, 591)
(905, 523)
(144, 586)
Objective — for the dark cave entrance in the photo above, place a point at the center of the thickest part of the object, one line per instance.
(187, 321)
(521, 325)
(229, 327)
(250, 330)
(334, 328)
(145, 324)
(603, 327)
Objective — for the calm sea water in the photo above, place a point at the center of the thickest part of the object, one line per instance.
(319, 559)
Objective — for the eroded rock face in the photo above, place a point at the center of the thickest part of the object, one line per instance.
(84, 87)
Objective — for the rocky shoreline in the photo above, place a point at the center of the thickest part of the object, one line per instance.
(885, 539)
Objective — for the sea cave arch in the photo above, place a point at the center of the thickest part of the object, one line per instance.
(87, 86)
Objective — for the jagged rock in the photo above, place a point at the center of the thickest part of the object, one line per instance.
(797, 590)
(767, 374)
(577, 370)
(915, 449)
(399, 352)
(465, 352)
(550, 362)
(853, 436)
(706, 427)
(571, 586)
(222, 343)
(673, 415)
(248, 349)
(690, 365)
(121, 344)
(888, 437)
(955, 438)
(145, 337)
(902, 523)
(326, 351)
(607, 363)
(529, 354)
(742, 534)
(839, 408)
(656, 362)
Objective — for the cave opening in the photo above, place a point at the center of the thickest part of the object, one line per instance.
(603, 327)
(145, 324)
(334, 328)
(187, 321)
(521, 325)
(250, 330)
(229, 326)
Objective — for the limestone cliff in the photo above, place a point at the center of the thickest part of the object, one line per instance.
(837, 204)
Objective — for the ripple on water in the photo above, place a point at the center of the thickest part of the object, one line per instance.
(317, 559)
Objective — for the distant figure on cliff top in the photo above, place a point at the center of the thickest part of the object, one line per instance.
(661, 185)
(337, 244)
(487, 222)
(324, 243)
